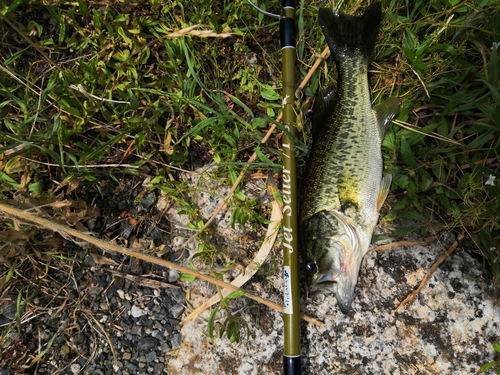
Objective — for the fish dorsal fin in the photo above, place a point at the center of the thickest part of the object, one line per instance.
(324, 102)
(385, 187)
(385, 113)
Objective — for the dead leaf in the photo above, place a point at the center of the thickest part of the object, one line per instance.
(102, 260)
(12, 235)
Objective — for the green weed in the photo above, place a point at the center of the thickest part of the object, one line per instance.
(444, 153)
(494, 365)
(232, 325)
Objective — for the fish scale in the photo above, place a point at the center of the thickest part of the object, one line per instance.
(343, 188)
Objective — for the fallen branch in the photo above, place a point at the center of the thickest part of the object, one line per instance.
(393, 245)
(142, 281)
(431, 271)
(67, 232)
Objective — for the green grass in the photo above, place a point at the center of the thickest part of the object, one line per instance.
(152, 102)
(446, 157)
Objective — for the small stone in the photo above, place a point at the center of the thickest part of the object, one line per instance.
(173, 275)
(176, 310)
(179, 255)
(147, 344)
(131, 366)
(178, 295)
(151, 356)
(158, 367)
(148, 200)
(65, 349)
(173, 322)
(127, 356)
(75, 368)
(136, 330)
(178, 241)
(157, 334)
(176, 340)
(137, 312)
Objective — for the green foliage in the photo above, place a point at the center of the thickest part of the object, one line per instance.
(232, 325)
(494, 365)
(443, 153)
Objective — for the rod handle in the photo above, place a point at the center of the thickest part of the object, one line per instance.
(291, 365)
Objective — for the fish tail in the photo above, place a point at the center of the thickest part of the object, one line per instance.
(351, 36)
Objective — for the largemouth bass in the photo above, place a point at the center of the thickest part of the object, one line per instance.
(343, 188)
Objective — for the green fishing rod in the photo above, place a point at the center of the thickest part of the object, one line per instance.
(291, 333)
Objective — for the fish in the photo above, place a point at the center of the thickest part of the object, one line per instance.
(343, 184)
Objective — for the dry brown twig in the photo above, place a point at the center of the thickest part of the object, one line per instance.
(393, 245)
(431, 271)
(21, 215)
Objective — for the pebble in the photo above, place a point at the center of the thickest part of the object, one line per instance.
(176, 310)
(151, 356)
(75, 368)
(176, 341)
(137, 312)
(157, 334)
(147, 343)
(104, 306)
(64, 350)
(164, 347)
(117, 367)
(158, 367)
(173, 276)
(131, 366)
(177, 242)
(136, 330)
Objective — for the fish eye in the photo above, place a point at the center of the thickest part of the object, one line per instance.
(311, 267)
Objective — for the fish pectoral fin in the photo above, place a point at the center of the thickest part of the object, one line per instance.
(347, 188)
(385, 187)
(385, 112)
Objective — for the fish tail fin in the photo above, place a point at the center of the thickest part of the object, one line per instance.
(349, 36)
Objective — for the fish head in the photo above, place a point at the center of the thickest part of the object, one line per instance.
(333, 260)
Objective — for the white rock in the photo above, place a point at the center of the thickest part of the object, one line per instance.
(75, 368)
(137, 312)
(447, 329)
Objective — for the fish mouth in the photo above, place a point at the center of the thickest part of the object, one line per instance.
(342, 289)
